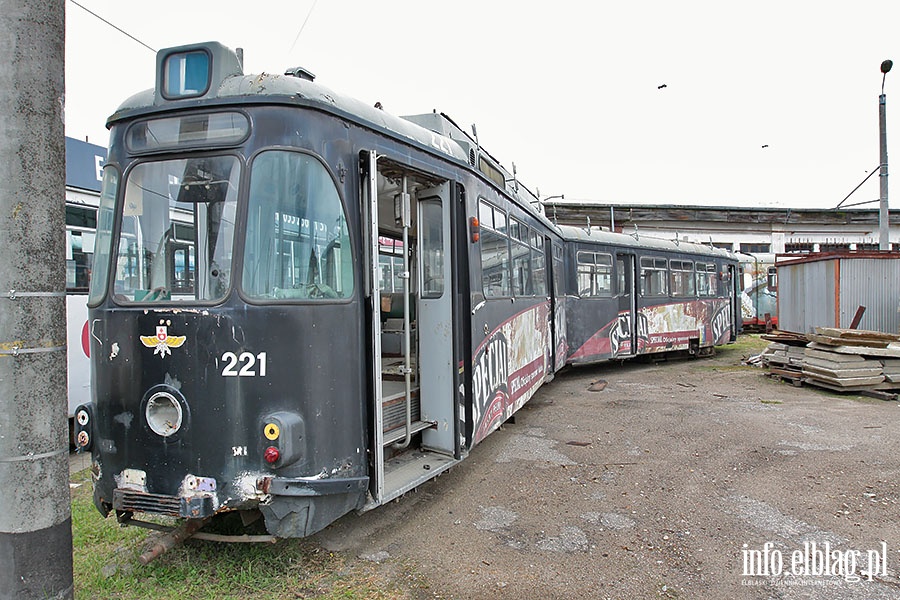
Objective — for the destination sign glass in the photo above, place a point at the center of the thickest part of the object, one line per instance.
(190, 131)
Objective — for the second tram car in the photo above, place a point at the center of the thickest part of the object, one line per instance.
(759, 291)
(302, 305)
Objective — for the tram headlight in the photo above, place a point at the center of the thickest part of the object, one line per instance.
(164, 414)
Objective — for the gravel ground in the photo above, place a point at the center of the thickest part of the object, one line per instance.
(662, 485)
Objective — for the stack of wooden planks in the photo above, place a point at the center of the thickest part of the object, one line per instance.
(841, 360)
(784, 360)
(852, 360)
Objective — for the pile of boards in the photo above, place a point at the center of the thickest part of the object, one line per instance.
(852, 359)
(844, 360)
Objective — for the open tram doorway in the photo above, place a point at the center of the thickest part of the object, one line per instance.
(625, 340)
(414, 412)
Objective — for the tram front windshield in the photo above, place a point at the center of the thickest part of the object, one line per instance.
(177, 232)
(176, 239)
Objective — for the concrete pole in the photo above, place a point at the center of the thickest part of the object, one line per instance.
(35, 515)
(884, 242)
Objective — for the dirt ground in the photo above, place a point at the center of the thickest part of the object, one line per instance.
(683, 479)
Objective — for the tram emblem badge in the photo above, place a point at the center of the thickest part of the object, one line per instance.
(162, 341)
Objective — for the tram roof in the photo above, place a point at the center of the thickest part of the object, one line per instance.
(434, 131)
(602, 236)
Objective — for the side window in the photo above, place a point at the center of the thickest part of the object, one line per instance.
(654, 281)
(103, 242)
(81, 226)
(297, 245)
(432, 245)
(390, 257)
(539, 272)
(495, 277)
(623, 286)
(519, 235)
(706, 279)
(682, 277)
(594, 274)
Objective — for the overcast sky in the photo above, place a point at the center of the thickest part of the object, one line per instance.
(769, 103)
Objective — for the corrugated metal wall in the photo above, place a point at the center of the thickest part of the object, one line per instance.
(875, 284)
(808, 294)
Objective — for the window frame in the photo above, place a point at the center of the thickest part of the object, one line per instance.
(658, 270)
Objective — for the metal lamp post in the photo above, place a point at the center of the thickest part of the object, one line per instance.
(884, 242)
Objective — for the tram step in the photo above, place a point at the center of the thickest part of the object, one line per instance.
(395, 435)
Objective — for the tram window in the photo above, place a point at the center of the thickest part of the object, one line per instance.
(706, 279)
(494, 264)
(485, 215)
(653, 277)
(390, 259)
(495, 275)
(79, 259)
(391, 268)
(521, 258)
(624, 280)
(198, 192)
(432, 248)
(81, 216)
(594, 273)
(297, 245)
(682, 277)
(772, 279)
(521, 269)
(81, 225)
(183, 268)
(539, 277)
(103, 242)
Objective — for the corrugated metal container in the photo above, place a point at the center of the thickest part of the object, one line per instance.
(826, 289)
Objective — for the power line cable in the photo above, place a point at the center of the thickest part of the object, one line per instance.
(303, 25)
(119, 29)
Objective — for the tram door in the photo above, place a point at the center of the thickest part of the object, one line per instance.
(734, 301)
(557, 304)
(409, 299)
(626, 291)
(435, 324)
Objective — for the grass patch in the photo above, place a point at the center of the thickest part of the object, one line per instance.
(771, 401)
(106, 566)
(746, 343)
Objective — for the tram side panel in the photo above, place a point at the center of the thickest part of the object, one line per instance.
(682, 303)
(510, 317)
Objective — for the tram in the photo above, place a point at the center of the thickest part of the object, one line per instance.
(759, 295)
(303, 306)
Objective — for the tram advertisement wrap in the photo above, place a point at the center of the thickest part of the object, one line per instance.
(508, 367)
(660, 328)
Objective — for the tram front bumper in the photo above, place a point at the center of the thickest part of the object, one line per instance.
(192, 507)
(299, 507)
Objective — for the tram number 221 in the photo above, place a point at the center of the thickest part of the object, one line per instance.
(245, 365)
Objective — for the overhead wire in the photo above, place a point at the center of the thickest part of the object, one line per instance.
(309, 14)
(117, 28)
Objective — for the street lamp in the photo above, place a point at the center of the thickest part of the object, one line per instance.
(884, 242)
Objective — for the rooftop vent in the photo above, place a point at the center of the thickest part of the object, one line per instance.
(300, 73)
